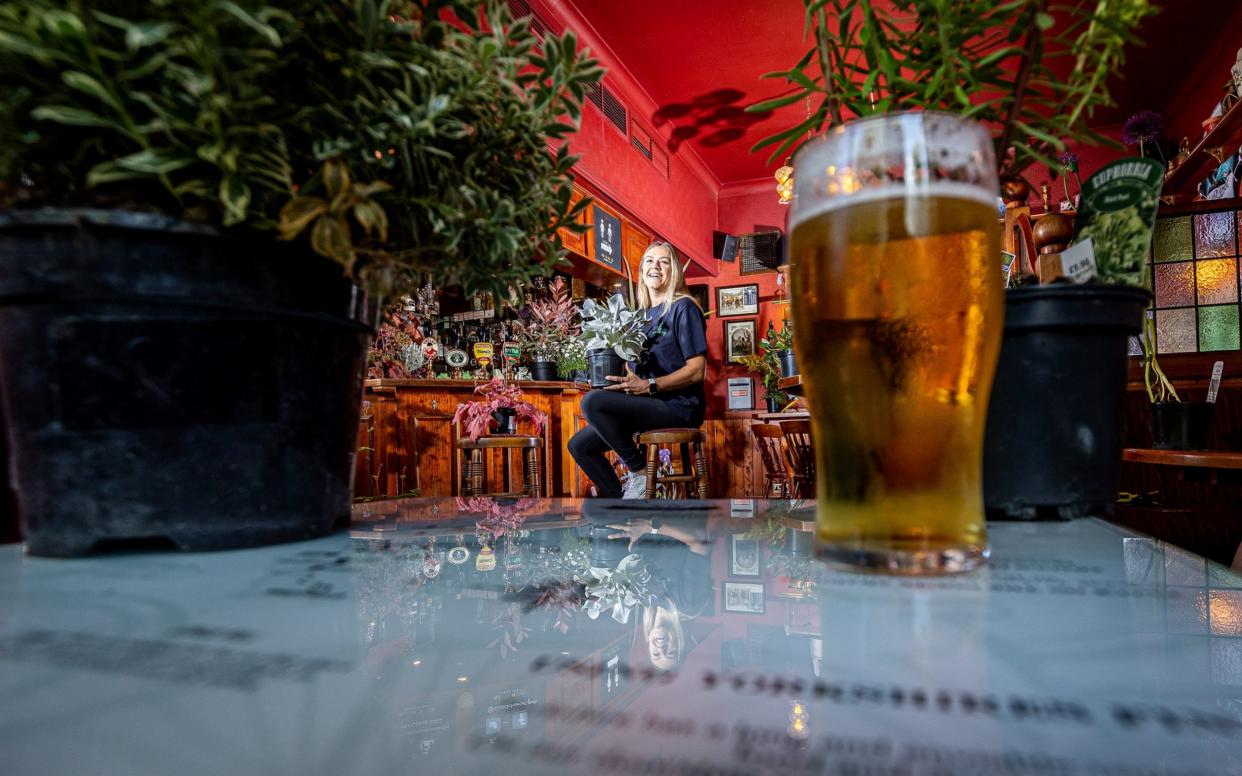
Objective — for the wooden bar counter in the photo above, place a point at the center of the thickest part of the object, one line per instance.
(407, 438)
(407, 442)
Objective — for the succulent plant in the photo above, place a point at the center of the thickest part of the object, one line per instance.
(614, 325)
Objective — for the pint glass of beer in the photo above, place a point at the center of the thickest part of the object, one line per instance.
(897, 302)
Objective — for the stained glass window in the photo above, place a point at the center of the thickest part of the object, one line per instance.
(1193, 272)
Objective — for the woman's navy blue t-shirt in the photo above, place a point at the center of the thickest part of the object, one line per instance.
(675, 337)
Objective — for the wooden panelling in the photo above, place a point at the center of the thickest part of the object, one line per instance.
(634, 243)
(407, 440)
(577, 243)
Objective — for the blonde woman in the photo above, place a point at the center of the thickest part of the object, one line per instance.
(664, 389)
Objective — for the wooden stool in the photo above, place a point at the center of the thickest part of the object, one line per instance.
(474, 466)
(684, 438)
(769, 438)
(800, 451)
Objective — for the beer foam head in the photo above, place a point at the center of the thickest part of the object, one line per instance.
(894, 156)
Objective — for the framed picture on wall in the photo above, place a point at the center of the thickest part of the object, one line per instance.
(744, 597)
(739, 339)
(737, 300)
(744, 560)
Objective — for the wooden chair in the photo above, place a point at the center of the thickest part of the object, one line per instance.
(474, 462)
(769, 439)
(800, 451)
(690, 442)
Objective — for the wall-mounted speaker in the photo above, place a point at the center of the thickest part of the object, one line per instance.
(724, 246)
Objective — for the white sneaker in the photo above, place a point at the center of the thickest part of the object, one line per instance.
(635, 486)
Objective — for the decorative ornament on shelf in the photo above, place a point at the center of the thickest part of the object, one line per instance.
(784, 183)
(1236, 72)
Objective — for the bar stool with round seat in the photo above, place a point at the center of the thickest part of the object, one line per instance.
(475, 471)
(690, 443)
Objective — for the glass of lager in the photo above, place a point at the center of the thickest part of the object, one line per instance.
(897, 305)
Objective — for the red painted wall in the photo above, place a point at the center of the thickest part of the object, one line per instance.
(741, 208)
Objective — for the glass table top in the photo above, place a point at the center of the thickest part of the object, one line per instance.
(559, 636)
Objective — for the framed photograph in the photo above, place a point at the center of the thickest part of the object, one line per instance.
(744, 597)
(737, 300)
(739, 339)
(744, 560)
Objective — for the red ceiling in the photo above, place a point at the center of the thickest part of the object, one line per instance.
(700, 61)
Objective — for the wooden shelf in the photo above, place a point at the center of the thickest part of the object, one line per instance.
(1225, 135)
(1200, 206)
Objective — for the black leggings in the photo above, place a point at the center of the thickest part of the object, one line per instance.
(613, 419)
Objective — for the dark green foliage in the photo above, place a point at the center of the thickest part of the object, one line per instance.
(392, 140)
(995, 61)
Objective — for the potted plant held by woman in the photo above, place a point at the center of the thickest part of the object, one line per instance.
(171, 371)
(613, 333)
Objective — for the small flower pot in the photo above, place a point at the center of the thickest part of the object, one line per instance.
(799, 543)
(604, 363)
(774, 404)
(1177, 425)
(543, 370)
(506, 420)
(788, 367)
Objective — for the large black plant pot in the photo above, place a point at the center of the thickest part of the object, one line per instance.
(789, 366)
(168, 386)
(1054, 436)
(603, 363)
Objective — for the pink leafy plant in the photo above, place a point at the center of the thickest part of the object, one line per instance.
(476, 416)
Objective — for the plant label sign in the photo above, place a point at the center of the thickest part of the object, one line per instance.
(1078, 261)
(1118, 215)
(607, 239)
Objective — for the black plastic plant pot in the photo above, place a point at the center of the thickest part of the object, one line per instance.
(543, 370)
(506, 420)
(789, 367)
(1181, 425)
(774, 404)
(168, 386)
(603, 363)
(1054, 428)
(607, 552)
(799, 543)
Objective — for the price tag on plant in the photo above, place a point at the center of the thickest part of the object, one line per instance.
(1078, 261)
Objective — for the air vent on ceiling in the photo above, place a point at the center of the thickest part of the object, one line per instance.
(595, 93)
(640, 140)
(613, 109)
(659, 158)
(520, 8)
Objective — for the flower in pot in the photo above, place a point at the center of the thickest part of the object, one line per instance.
(613, 334)
(571, 360)
(551, 324)
(203, 347)
(501, 404)
(1001, 88)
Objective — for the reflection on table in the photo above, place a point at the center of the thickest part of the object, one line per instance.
(539, 636)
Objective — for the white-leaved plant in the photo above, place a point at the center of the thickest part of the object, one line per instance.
(614, 325)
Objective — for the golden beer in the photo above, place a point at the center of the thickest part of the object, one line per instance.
(897, 308)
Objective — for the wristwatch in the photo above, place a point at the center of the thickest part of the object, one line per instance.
(655, 525)
(651, 386)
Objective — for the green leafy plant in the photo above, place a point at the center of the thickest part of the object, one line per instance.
(614, 326)
(397, 137)
(767, 365)
(553, 321)
(1033, 71)
(571, 358)
(778, 341)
